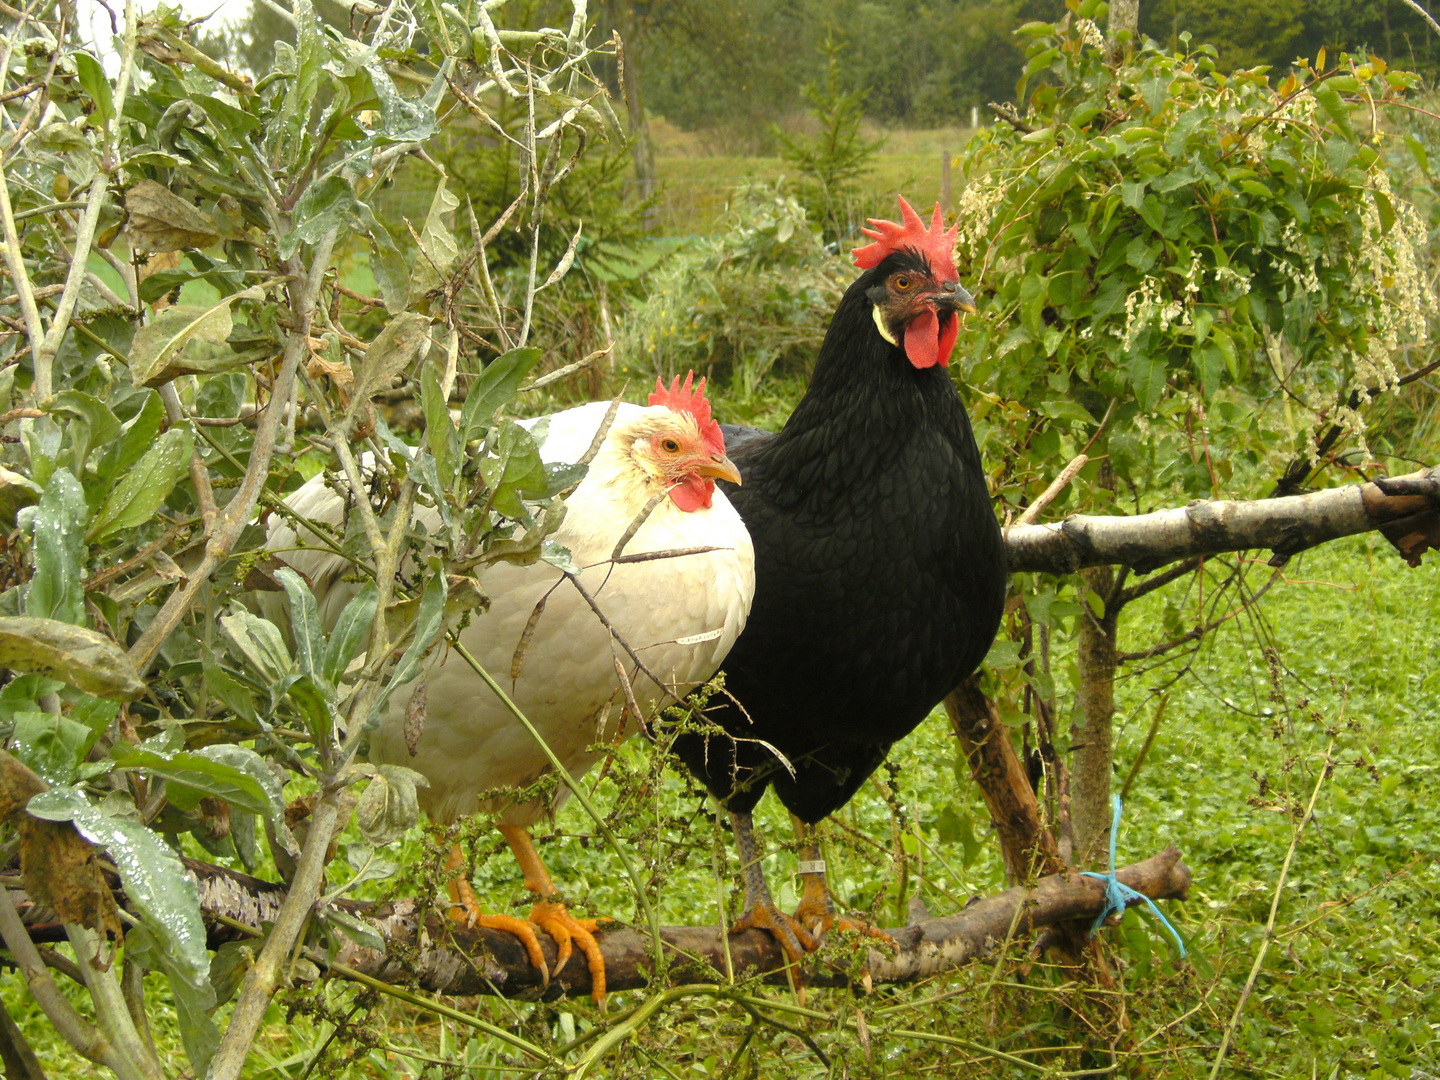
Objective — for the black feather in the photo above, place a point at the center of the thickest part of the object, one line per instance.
(880, 573)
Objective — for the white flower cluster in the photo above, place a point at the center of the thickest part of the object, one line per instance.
(1089, 33)
(1294, 261)
(1222, 274)
(975, 209)
(1144, 306)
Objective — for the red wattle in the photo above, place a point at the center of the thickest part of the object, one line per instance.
(693, 494)
(922, 340)
(927, 343)
(948, 334)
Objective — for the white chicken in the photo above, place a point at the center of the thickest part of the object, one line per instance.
(679, 614)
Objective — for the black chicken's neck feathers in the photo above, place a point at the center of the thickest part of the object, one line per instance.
(864, 392)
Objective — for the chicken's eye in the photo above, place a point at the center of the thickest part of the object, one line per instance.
(671, 446)
(903, 282)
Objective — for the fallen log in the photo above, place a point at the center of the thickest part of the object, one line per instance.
(446, 958)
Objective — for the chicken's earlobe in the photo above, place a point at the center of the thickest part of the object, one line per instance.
(885, 331)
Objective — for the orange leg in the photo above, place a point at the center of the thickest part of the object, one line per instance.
(551, 915)
(466, 909)
(817, 910)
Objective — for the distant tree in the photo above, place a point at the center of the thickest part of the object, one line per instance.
(832, 160)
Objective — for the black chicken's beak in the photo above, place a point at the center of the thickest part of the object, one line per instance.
(720, 467)
(956, 298)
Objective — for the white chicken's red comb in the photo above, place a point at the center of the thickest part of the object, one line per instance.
(935, 244)
(680, 399)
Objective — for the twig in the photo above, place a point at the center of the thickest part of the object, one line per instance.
(1274, 907)
(1034, 510)
(568, 369)
(45, 351)
(199, 471)
(1422, 13)
(1144, 747)
(232, 521)
(1198, 632)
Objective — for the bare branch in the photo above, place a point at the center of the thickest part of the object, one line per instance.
(1286, 525)
(1034, 510)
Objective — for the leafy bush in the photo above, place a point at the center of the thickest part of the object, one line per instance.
(1224, 262)
(753, 299)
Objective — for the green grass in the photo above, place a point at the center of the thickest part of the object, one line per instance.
(1351, 983)
(695, 186)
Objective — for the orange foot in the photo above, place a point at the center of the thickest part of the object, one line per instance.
(819, 918)
(794, 938)
(555, 920)
(466, 909)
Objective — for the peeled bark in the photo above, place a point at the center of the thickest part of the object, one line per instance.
(1406, 509)
(446, 958)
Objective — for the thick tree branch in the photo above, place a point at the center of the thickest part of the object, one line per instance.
(1410, 519)
(453, 960)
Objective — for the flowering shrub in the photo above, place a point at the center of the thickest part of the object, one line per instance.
(1218, 262)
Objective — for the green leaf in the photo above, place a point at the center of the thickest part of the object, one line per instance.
(194, 1000)
(496, 385)
(350, 633)
(137, 436)
(314, 703)
(405, 339)
(324, 207)
(438, 251)
(389, 806)
(93, 424)
(1386, 209)
(515, 472)
(1147, 376)
(226, 771)
(388, 267)
(156, 352)
(440, 434)
(51, 746)
(96, 86)
(356, 928)
(305, 626)
(143, 488)
(429, 621)
(83, 658)
(259, 641)
(227, 970)
(57, 589)
(1330, 100)
(163, 894)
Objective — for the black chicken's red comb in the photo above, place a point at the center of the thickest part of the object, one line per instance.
(936, 244)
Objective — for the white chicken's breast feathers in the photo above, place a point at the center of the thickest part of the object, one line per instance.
(680, 615)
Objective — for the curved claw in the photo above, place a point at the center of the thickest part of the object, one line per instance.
(792, 935)
(557, 921)
(466, 909)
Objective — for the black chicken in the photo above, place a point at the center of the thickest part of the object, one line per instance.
(879, 565)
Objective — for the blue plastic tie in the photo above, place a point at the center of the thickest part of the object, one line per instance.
(1118, 895)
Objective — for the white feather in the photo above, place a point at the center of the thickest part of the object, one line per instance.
(680, 615)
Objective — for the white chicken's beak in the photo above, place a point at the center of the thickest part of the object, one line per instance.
(720, 467)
